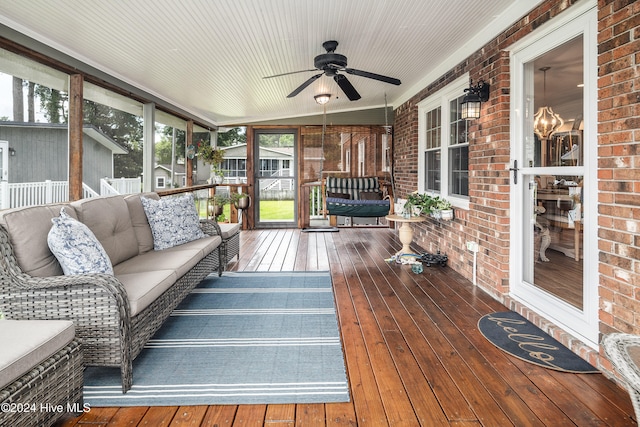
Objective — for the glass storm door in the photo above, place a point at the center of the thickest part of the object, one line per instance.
(275, 179)
(552, 181)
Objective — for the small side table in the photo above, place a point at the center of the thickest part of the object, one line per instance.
(405, 231)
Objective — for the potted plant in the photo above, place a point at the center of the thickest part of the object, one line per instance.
(417, 204)
(241, 200)
(216, 205)
(214, 157)
(442, 209)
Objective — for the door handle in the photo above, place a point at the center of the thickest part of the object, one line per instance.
(515, 171)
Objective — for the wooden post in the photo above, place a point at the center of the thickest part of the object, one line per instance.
(75, 136)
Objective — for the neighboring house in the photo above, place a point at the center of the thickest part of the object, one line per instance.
(163, 180)
(38, 152)
(274, 161)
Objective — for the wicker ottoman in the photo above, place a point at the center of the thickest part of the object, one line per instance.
(40, 372)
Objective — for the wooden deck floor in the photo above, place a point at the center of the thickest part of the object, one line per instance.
(413, 352)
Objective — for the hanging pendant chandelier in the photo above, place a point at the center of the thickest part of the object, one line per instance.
(545, 121)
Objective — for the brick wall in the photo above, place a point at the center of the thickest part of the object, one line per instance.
(487, 220)
(619, 165)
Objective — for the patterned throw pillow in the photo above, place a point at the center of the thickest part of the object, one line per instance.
(173, 220)
(76, 248)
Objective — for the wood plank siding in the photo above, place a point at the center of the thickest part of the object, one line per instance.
(413, 352)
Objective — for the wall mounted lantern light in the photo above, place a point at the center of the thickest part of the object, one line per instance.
(472, 100)
(322, 98)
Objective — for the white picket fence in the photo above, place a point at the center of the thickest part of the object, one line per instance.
(18, 194)
(120, 186)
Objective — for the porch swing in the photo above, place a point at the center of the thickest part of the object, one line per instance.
(361, 197)
(355, 197)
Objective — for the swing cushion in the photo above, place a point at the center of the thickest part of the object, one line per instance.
(365, 197)
(358, 208)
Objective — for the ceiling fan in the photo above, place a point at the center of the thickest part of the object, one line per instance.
(330, 64)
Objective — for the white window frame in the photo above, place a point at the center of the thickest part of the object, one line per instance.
(441, 99)
(161, 182)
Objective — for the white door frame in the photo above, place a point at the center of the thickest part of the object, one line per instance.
(579, 19)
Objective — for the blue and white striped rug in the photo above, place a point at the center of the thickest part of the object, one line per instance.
(243, 338)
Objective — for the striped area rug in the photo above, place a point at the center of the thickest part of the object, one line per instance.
(243, 338)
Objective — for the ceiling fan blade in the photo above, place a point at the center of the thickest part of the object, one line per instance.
(374, 76)
(286, 74)
(304, 85)
(347, 87)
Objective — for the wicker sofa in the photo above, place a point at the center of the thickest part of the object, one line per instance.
(114, 315)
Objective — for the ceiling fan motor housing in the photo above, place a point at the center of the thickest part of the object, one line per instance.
(330, 60)
(330, 63)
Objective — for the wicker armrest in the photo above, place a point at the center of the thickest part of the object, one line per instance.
(210, 227)
(105, 286)
(623, 350)
(106, 281)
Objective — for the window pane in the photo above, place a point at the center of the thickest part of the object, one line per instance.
(459, 170)
(458, 125)
(432, 155)
(433, 129)
(432, 176)
(458, 151)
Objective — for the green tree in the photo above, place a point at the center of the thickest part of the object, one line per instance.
(18, 100)
(233, 136)
(163, 151)
(276, 140)
(180, 137)
(52, 103)
(125, 129)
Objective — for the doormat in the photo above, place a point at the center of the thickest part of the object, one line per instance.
(520, 338)
(243, 338)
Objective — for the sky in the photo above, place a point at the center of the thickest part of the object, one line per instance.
(6, 97)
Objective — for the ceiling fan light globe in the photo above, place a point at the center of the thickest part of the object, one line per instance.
(322, 98)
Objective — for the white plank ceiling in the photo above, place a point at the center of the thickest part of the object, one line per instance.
(209, 57)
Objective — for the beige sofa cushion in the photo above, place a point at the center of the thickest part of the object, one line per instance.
(139, 220)
(145, 287)
(108, 218)
(27, 343)
(229, 230)
(181, 258)
(28, 229)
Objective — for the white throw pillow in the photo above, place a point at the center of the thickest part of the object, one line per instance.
(173, 220)
(77, 249)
